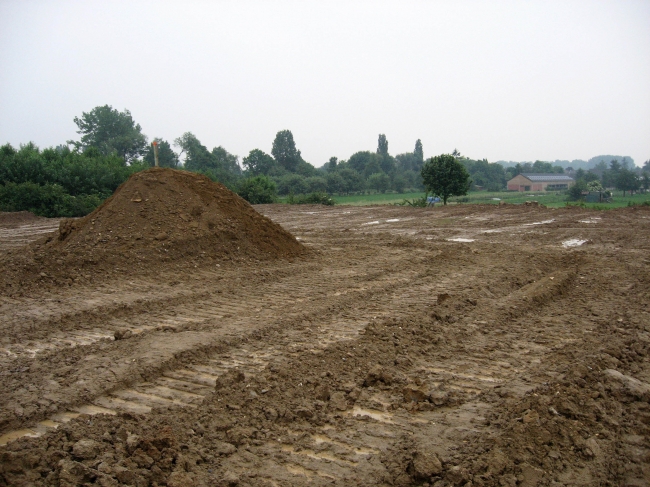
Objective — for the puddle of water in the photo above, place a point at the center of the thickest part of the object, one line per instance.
(459, 239)
(14, 435)
(65, 417)
(544, 222)
(48, 423)
(592, 220)
(297, 470)
(318, 456)
(392, 220)
(376, 222)
(92, 409)
(372, 413)
(496, 230)
(484, 378)
(574, 242)
(320, 439)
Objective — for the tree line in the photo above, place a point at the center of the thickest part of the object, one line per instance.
(74, 178)
(617, 175)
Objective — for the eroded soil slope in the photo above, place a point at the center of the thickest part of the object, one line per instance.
(450, 346)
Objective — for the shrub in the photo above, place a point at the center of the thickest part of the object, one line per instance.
(257, 190)
(310, 199)
(50, 200)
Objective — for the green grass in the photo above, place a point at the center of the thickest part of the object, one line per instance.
(369, 199)
(375, 199)
(550, 199)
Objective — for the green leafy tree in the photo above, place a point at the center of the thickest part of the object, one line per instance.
(444, 176)
(359, 160)
(542, 167)
(197, 156)
(166, 155)
(490, 176)
(218, 165)
(626, 180)
(258, 190)
(399, 183)
(284, 151)
(291, 184)
(372, 167)
(382, 145)
(259, 162)
(594, 186)
(110, 131)
(418, 153)
(225, 161)
(331, 165)
(352, 180)
(645, 180)
(576, 190)
(407, 162)
(379, 181)
(335, 183)
(316, 184)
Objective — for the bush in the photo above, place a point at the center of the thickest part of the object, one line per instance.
(49, 200)
(258, 190)
(379, 181)
(310, 199)
(316, 184)
(575, 191)
(415, 202)
(291, 183)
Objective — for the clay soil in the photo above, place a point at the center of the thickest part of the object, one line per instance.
(466, 346)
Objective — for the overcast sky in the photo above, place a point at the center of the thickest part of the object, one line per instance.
(504, 80)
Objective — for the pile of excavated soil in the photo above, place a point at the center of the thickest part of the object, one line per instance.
(157, 217)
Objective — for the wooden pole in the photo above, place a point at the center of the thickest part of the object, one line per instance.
(155, 152)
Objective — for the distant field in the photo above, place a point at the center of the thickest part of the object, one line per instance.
(549, 199)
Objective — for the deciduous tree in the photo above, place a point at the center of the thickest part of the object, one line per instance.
(382, 145)
(444, 176)
(166, 155)
(111, 131)
(418, 153)
(284, 151)
(259, 162)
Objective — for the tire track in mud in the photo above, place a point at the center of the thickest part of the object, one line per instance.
(17, 236)
(188, 385)
(232, 316)
(373, 424)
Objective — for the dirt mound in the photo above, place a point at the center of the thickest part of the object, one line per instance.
(167, 211)
(160, 216)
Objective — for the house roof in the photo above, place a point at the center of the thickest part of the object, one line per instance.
(547, 178)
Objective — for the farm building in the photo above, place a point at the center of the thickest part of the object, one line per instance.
(540, 182)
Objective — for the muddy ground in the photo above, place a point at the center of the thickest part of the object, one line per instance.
(469, 345)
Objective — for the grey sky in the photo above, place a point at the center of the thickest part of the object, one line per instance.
(508, 80)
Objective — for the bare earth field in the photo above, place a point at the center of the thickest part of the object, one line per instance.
(467, 346)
